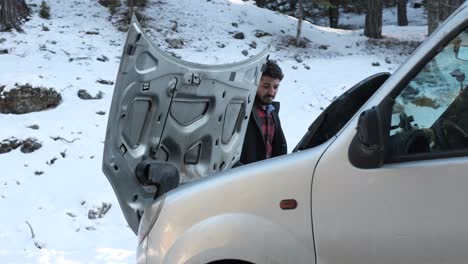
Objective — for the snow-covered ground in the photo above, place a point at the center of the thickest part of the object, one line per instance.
(45, 216)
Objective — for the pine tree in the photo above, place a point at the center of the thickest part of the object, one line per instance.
(45, 10)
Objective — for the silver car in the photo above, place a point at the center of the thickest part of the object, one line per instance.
(379, 177)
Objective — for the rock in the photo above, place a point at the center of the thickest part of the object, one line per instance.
(2, 40)
(101, 81)
(100, 112)
(297, 57)
(35, 127)
(388, 61)
(375, 64)
(109, 3)
(8, 145)
(253, 45)
(99, 212)
(220, 45)
(324, 47)
(71, 214)
(26, 99)
(92, 214)
(176, 43)
(174, 25)
(92, 33)
(37, 173)
(102, 58)
(417, 5)
(123, 28)
(104, 209)
(261, 34)
(3, 51)
(83, 94)
(39, 244)
(245, 52)
(52, 161)
(30, 145)
(234, 24)
(239, 35)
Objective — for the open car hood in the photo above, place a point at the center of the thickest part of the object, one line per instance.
(165, 110)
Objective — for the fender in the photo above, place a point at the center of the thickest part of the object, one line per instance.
(237, 236)
(205, 219)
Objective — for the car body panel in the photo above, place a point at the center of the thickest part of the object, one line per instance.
(164, 109)
(237, 213)
(410, 212)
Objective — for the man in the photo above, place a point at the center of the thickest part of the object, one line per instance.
(264, 137)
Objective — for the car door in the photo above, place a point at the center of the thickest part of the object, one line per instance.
(169, 117)
(411, 208)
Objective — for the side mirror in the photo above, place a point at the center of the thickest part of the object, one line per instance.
(367, 149)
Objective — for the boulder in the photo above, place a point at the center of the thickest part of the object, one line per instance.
(26, 99)
(30, 145)
(8, 145)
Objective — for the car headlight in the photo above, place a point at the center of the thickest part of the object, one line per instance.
(149, 218)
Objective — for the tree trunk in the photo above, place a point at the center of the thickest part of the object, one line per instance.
(432, 15)
(402, 17)
(299, 23)
(12, 14)
(131, 10)
(447, 7)
(389, 3)
(439, 10)
(373, 24)
(333, 13)
(260, 3)
(292, 5)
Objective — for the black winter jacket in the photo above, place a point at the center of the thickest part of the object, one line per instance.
(254, 145)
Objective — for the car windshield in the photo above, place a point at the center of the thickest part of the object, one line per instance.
(434, 89)
(431, 112)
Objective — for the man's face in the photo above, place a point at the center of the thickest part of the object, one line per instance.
(267, 89)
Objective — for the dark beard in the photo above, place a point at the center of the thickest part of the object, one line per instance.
(263, 100)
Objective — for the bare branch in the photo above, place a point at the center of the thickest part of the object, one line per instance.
(31, 229)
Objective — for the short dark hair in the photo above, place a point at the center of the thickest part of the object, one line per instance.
(273, 70)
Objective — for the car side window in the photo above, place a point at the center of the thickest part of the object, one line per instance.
(430, 115)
